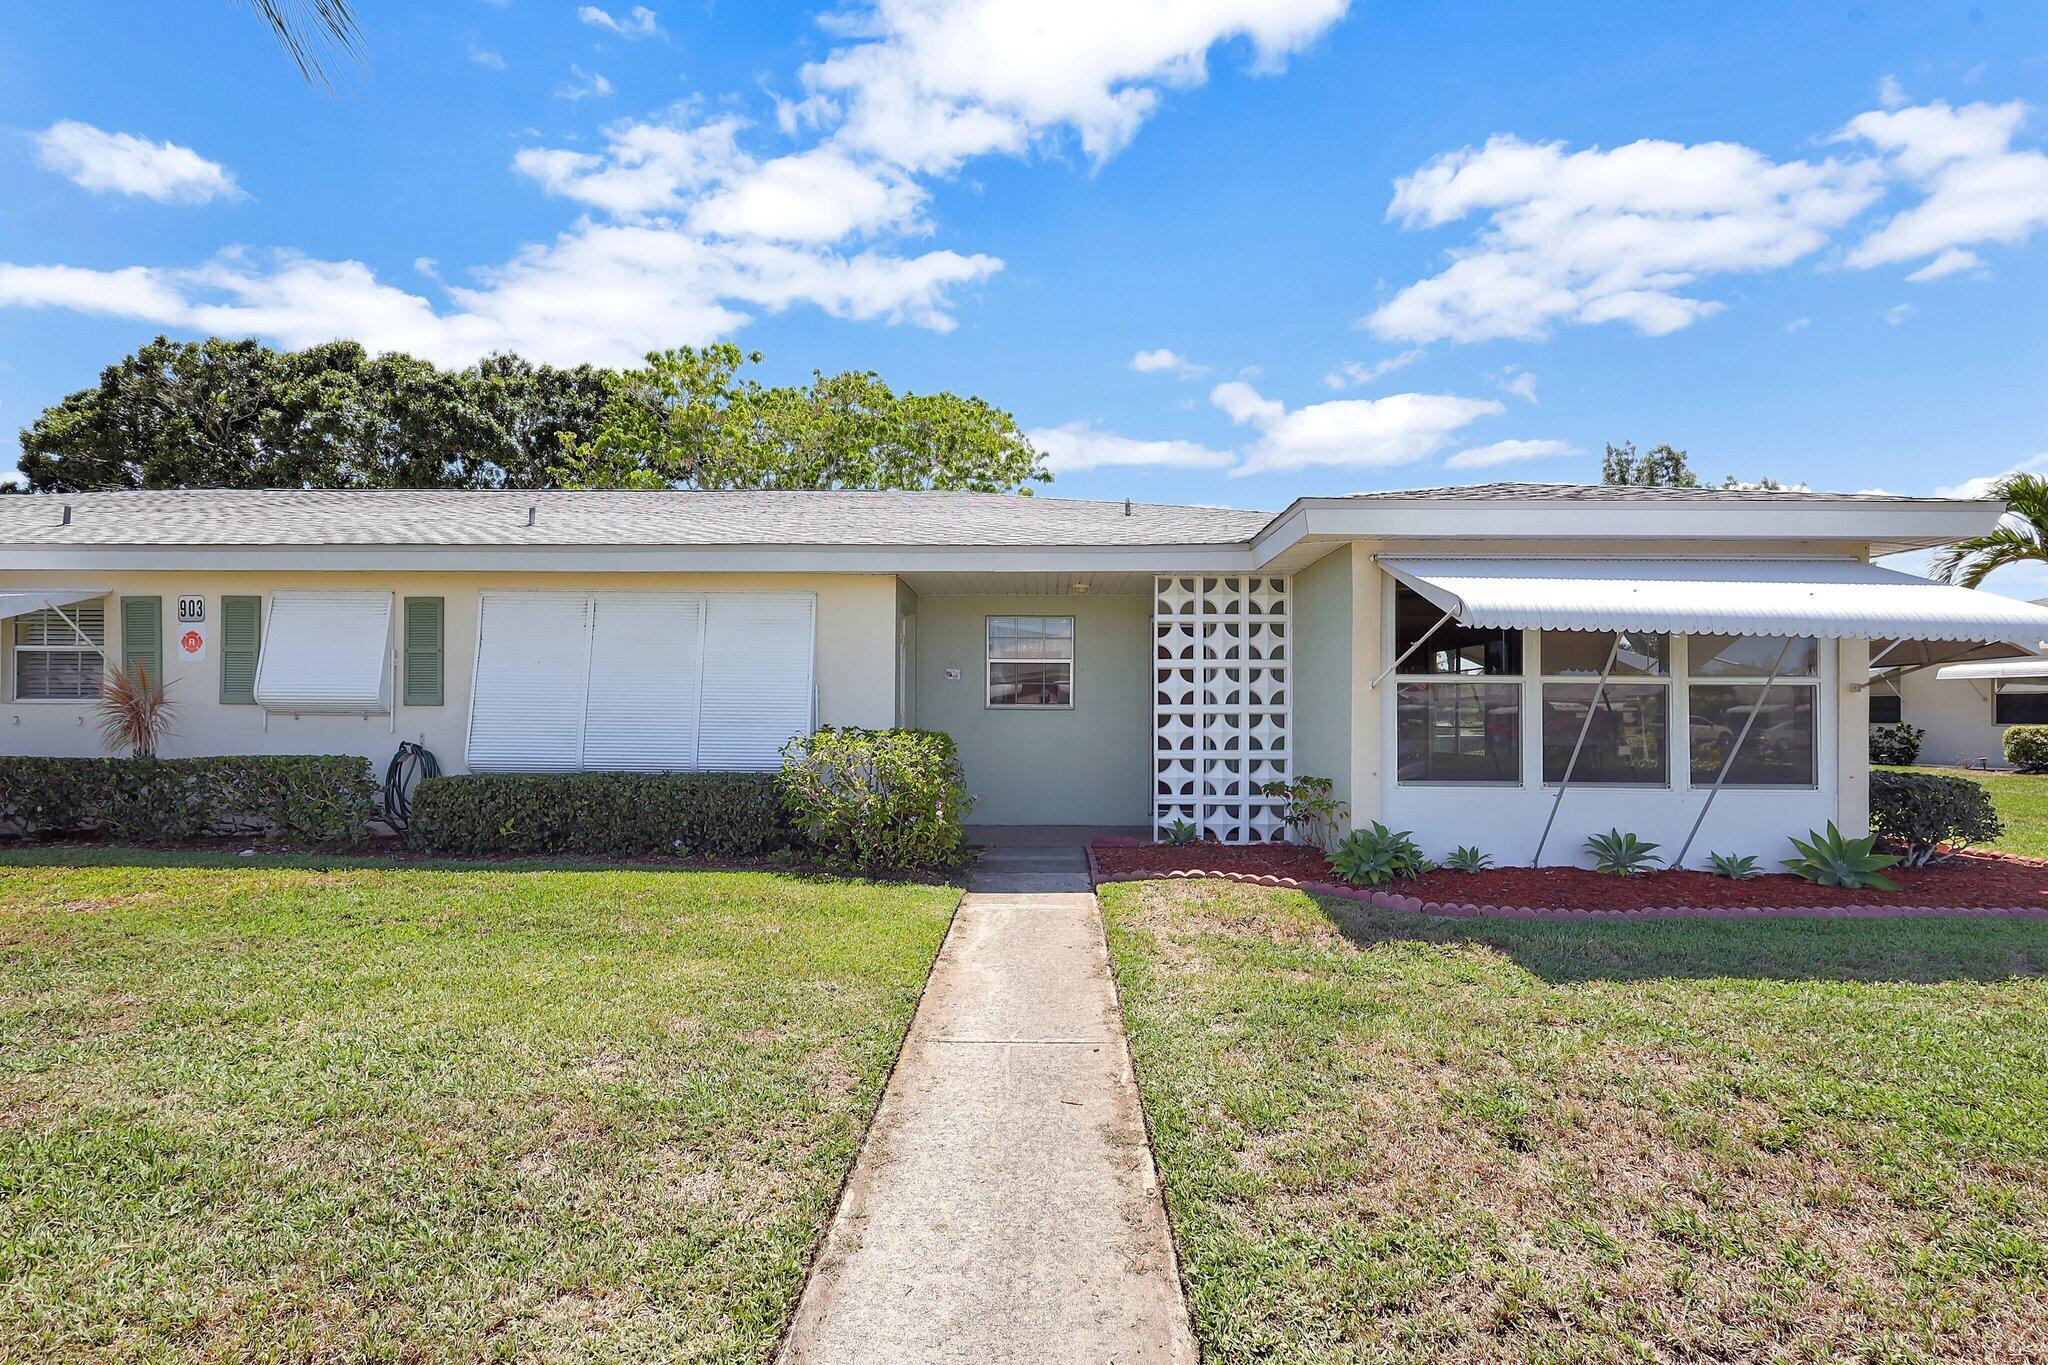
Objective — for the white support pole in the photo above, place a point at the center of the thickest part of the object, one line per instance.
(1572, 763)
(1402, 657)
(1728, 764)
(65, 617)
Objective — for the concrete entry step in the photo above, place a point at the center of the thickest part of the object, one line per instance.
(1005, 1208)
(1049, 869)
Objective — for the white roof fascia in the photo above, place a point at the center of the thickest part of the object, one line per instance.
(1893, 525)
(21, 602)
(847, 559)
(1840, 599)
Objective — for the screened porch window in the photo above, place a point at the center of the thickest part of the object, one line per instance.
(1452, 721)
(1030, 661)
(1626, 736)
(51, 662)
(1782, 745)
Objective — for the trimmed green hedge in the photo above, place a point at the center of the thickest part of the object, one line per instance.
(2026, 747)
(878, 799)
(705, 815)
(1924, 813)
(302, 798)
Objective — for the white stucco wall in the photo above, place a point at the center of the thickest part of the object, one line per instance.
(1957, 716)
(855, 673)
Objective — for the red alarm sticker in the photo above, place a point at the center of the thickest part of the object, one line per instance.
(192, 642)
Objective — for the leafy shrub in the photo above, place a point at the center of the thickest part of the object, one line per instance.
(1376, 855)
(1310, 810)
(1826, 858)
(1923, 813)
(1181, 833)
(1468, 858)
(1897, 745)
(1621, 855)
(710, 815)
(1736, 867)
(302, 798)
(878, 798)
(2026, 747)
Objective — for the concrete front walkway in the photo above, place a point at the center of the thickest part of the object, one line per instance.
(1005, 1207)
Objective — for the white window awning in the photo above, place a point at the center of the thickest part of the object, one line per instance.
(1913, 622)
(22, 601)
(2008, 668)
(326, 652)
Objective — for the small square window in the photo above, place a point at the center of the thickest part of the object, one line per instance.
(60, 655)
(1031, 661)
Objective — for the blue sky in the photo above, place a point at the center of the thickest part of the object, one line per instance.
(1357, 245)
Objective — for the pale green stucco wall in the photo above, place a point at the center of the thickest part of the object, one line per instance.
(1087, 766)
(1323, 670)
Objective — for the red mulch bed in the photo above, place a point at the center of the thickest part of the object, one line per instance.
(1968, 881)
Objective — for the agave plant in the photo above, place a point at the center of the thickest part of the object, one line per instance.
(1182, 832)
(135, 711)
(1736, 867)
(1621, 855)
(1376, 854)
(1827, 858)
(1467, 858)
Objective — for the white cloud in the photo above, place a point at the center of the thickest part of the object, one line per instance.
(1976, 188)
(1520, 383)
(819, 195)
(929, 83)
(1508, 452)
(1081, 445)
(645, 167)
(639, 21)
(1353, 433)
(1954, 261)
(1897, 313)
(1891, 94)
(1981, 486)
(1164, 361)
(587, 85)
(123, 163)
(1607, 235)
(1798, 325)
(484, 57)
(1353, 373)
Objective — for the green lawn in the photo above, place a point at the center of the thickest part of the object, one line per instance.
(286, 1109)
(2022, 802)
(1385, 1138)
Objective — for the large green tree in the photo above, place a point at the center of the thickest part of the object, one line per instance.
(689, 418)
(237, 414)
(1662, 467)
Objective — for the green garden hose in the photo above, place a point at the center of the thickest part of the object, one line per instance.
(412, 764)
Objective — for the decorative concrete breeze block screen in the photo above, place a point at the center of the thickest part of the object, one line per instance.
(1220, 702)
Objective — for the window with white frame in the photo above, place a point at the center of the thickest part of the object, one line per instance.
(1726, 693)
(1457, 698)
(51, 661)
(1621, 732)
(1031, 661)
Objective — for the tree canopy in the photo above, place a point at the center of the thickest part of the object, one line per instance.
(689, 418)
(1662, 467)
(237, 414)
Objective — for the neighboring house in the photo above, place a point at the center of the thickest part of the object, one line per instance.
(1438, 654)
(1964, 708)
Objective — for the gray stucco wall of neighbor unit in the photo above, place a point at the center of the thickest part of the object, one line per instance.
(1087, 765)
(1320, 681)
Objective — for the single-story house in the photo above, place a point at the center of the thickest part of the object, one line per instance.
(1964, 709)
(1447, 657)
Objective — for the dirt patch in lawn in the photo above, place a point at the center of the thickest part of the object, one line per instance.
(1967, 881)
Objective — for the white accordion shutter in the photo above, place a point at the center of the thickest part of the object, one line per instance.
(533, 654)
(757, 678)
(326, 652)
(642, 710)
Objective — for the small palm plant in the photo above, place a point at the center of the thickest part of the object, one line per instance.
(135, 711)
(1622, 855)
(1467, 858)
(1736, 867)
(1827, 858)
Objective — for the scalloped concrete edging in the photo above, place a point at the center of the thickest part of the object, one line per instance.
(1389, 900)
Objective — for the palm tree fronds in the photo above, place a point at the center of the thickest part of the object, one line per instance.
(306, 27)
(2020, 537)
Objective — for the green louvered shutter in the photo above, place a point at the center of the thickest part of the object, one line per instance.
(241, 641)
(142, 635)
(423, 650)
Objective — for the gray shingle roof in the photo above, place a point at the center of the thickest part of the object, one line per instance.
(1595, 492)
(288, 517)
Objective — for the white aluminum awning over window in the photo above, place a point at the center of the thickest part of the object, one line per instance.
(2007, 668)
(22, 601)
(1914, 620)
(326, 652)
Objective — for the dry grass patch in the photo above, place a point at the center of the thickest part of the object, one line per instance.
(310, 1110)
(1388, 1138)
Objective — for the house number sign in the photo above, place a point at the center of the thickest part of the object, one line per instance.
(192, 610)
(192, 627)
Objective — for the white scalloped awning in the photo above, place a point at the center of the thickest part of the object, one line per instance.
(2009, 668)
(23, 601)
(1919, 622)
